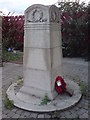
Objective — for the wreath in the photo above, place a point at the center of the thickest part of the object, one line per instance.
(60, 86)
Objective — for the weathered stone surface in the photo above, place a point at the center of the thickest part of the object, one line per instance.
(42, 50)
(33, 103)
(42, 35)
(36, 59)
(40, 13)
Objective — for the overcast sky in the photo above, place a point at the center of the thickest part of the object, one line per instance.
(18, 6)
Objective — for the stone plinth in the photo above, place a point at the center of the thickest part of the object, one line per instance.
(33, 103)
(42, 50)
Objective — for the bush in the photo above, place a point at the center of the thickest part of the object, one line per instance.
(74, 29)
(13, 32)
(10, 56)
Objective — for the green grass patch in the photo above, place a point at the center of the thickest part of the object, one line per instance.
(20, 80)
(84, 88)
(45, 100)
(10, 56)
(56, 115)
(8, 103)
(20, 77)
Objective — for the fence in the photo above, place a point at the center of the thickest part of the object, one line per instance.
(74, 31)
(13, 30)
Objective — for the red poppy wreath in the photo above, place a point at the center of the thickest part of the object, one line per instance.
(60, 86)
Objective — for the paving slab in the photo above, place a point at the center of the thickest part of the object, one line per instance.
(71, 69)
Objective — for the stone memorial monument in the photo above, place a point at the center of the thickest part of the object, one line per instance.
(42, 50)
(42, 62)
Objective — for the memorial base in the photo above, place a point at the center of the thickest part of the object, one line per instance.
(33, 103)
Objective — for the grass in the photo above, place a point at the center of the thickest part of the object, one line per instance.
(84, 88)
(45, 100)
(56, 115)
(8, 103)
(20, 80)
(10, 56)
(20, 77)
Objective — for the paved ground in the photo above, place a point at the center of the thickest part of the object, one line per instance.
(74, 69)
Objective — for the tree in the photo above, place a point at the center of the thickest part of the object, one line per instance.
(74, 19)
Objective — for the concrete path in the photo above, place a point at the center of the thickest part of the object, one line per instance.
(74, 69)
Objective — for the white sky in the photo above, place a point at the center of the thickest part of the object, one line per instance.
(18, 6)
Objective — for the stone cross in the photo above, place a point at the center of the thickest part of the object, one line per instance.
(42, 50)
